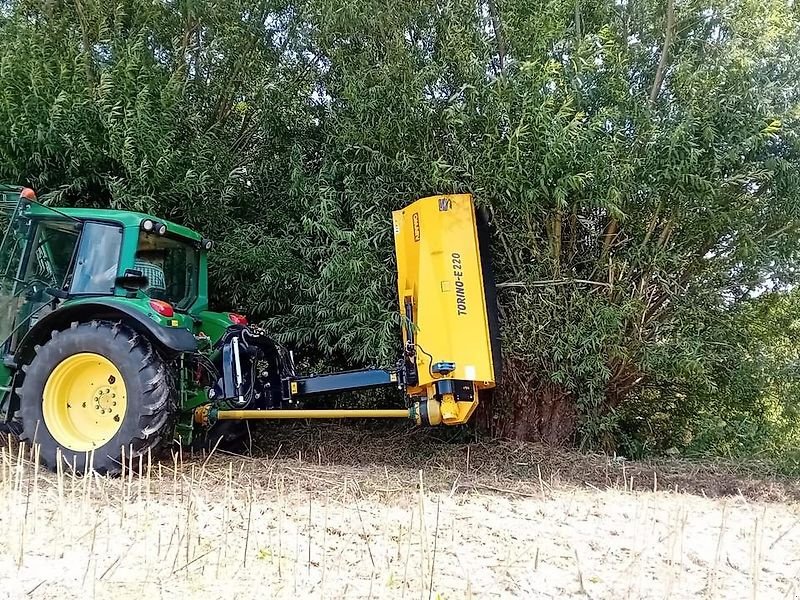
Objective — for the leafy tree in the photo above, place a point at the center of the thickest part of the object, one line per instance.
(639, 157)
(749, 403)
(640, 160)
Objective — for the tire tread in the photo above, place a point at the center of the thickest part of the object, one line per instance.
(156, 407)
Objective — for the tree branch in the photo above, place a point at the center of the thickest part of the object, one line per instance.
(662, 62)
(86, 43)
(549, 282)
(498, 33)
(608, 238)
(555, 243)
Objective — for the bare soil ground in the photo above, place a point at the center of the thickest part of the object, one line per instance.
(343, 512)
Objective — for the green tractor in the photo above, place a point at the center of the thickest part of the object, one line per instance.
(110, 350)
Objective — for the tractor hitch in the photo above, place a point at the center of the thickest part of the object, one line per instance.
(246, 389)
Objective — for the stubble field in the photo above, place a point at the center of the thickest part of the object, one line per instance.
(332, 512)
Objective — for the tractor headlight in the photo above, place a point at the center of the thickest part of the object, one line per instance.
(206, 244)
(161, 229)
(148, 225)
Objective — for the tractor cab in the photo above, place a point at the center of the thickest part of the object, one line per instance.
(170, 267)
(56, 256)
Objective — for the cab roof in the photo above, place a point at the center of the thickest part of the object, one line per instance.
(123, 217)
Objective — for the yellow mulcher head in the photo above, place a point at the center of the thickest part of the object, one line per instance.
(451, 351)
(447, 300)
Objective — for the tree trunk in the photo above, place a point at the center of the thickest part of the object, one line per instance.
(525, 408)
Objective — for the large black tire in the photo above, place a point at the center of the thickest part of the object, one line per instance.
(147, 423)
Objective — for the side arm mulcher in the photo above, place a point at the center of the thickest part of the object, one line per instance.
(446, 296)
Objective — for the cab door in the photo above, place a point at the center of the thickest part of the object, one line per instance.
(45, 265)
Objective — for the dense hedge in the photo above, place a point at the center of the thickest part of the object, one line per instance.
(640, 159)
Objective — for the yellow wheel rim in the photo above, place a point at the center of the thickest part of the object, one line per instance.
(84, 401)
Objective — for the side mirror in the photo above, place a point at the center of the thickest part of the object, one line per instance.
(34, 292)
(132, 280)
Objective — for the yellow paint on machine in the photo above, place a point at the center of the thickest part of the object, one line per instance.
(84, 401)
(326, 413)
(439, 272)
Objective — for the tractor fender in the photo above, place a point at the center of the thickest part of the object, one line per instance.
(175, 339)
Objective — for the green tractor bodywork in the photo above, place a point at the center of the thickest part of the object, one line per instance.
(109, 349)
(65, 266)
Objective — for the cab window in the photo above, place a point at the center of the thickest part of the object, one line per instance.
(171, 267)
(53, 253)
(97, 260)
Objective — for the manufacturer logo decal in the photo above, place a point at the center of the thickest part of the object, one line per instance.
(415, 224)
(461, 294)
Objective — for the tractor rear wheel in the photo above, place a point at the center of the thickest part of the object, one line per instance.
(97, 394)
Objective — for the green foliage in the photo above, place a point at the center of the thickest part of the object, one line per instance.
(747, 405)
(640, 159)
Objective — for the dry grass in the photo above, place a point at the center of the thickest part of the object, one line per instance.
(343, 513)
(446, 455)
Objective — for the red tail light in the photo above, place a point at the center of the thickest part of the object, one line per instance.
(163, 308)
(237, 319)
